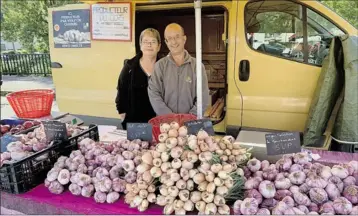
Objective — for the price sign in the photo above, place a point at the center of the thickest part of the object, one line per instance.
(196, 125)
(55, 130)
(6, 140)
(142, 131)
(283, 143)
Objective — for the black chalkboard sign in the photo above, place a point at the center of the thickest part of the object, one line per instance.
(194, 126)
(142, 131)
(283, 143)
(55, 130)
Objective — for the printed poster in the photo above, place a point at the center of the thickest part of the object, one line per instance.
(71, 28)
(111, 21)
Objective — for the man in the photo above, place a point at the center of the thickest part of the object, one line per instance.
(172, 87)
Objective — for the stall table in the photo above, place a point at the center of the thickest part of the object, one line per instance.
(40, 201)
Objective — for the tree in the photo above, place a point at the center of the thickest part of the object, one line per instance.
(26, 21)
(348, 9)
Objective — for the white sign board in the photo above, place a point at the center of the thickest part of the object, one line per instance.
(111, 21)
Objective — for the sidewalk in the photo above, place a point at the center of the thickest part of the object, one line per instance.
(19, 83)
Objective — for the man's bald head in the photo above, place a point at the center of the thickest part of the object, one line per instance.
(175, 38)
(174, 27)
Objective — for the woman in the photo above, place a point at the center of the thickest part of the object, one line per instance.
(132, 99)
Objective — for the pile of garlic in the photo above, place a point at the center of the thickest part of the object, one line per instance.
(188, 172)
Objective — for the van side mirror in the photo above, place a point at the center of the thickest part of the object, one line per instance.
(244, 70)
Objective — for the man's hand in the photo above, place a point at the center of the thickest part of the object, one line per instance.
(122, 116)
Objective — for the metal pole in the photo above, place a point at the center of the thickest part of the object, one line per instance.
(199, 93)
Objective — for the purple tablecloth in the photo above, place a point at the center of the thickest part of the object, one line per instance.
(81, 205)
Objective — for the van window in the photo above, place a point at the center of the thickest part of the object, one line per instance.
(277, 28)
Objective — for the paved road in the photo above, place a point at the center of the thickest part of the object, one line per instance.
(18, 83)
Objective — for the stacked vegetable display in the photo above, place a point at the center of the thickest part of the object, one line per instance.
(191, 173)
(97, 169)
(295, 186)
(6, 129)
(31, 143)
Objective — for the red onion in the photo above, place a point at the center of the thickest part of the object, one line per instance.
(280, 194)
(332, 191)
(312, 213)
(253, 193)
(318, 195)
(350, 180)
(249, 206)
(254, 165)
(351, 193)
(342, 205)
(267, 189)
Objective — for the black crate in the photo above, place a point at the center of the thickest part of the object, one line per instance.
(22, 176)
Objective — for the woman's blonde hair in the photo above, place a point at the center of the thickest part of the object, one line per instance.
(150, 32)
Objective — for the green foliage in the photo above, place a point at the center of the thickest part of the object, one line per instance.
(26, 21)
(348, 9)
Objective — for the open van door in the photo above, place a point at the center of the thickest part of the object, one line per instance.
(87, 66)
(279, 53)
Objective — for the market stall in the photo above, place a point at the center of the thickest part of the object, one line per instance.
(184, 170)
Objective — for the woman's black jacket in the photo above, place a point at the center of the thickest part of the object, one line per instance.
(132, 93)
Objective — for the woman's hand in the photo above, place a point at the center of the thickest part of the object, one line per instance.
(122, 116)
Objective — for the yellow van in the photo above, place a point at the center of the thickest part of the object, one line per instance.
(263, 57)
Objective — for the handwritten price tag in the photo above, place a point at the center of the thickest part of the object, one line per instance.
(283, 143)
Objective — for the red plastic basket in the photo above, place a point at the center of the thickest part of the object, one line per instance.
(180, 118)
(35, 103)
